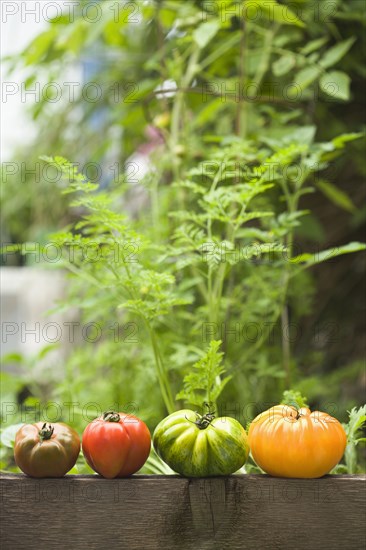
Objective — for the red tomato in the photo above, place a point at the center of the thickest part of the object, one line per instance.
(116, 444)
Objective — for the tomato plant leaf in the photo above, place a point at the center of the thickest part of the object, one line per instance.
(8, 434)
(308, 259)
(283, 65)
(205, 32)
(357, 420)
(204, 382)
(336, 84)
(314, 45)
(272, 11)
(336, 195)
(294, 398)
(306, 76)
(334, 54)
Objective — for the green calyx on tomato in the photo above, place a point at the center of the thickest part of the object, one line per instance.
(203, 421)
(196, 445)
(111, 416)
(46, 433)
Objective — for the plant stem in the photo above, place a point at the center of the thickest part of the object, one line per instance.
(286, 350)
(160, 369)
(242, 112)
(178, 107)
(292, 201)
(212, 299)
(162, 375)
(155, 204)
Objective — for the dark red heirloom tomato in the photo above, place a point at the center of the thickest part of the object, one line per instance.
(43, 450)
(116, 444)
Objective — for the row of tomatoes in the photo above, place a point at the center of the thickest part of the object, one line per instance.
(284, 441)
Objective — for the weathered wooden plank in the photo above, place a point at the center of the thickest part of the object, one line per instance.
(169, 512)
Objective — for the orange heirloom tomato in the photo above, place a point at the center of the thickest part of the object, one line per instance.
(116, 444)
(43, 450)
(287, 442)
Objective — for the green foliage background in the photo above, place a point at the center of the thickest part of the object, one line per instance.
(248, 188)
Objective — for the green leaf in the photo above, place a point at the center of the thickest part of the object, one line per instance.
(46, 350)
(256, 249)
(12, 358)
(208, 112)
(39, 46)
(205, 32)
(154, 465)
(357, 419)
(72, 37)
(306, 76)
(337, 196)
(336, 84)
(339, 141)
(314, 45)
(294, 399)
(357, 16)
(137, 92)
(334, 54)
(204, 382)
(319, 257)
(283, 65)
(8, 434)
(304, 135)
(272, 11)
(75, 180)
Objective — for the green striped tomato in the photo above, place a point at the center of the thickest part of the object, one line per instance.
(201, 446)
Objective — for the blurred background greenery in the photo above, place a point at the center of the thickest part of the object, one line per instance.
(230, 123)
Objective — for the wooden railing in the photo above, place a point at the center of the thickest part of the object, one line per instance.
(251, 512)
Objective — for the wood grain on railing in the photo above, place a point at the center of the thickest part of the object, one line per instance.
(254, 512)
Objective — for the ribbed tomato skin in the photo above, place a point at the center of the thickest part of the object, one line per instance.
(50, 458)
(220, 449)
(285, 442)
(116, 449)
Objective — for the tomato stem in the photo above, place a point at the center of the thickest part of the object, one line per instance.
(203, 421)
(111, 416)
(46, 433)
